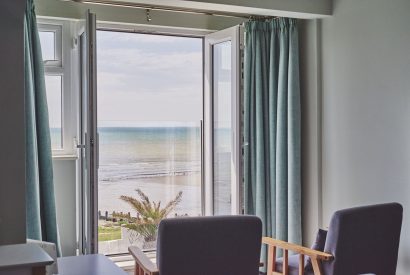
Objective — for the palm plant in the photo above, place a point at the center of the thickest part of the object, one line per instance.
(149, 216)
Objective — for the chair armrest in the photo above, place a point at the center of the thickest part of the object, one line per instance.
(51, 250)
(142, 261)
(299, 249)
(316, 256)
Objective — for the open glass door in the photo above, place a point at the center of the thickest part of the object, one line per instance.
(150, 112)
(88, 139)
(222, 122)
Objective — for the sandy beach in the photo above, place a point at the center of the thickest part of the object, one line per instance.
(163, 188)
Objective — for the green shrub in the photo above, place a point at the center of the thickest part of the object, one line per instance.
(150, 214)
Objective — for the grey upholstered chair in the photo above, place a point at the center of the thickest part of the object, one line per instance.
(220, 245)
(361, 240)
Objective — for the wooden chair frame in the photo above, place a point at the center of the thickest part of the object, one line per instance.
(316, 256)
(143, 265)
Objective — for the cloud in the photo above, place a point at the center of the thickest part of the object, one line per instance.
(148, 77)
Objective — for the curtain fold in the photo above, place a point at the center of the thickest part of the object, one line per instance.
(272, 151)
(41, 219)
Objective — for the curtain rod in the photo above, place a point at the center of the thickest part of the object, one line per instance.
(172, 9)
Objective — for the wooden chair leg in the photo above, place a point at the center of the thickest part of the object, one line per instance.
(285, 262)
(301, 264)
(271, 260)
(316, 267)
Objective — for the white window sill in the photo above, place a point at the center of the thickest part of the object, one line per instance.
(64, 157)
(126, 262)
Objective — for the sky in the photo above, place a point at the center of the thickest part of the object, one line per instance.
(148, 80)
(142, 80)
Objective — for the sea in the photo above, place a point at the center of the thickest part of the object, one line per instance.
(161, 162)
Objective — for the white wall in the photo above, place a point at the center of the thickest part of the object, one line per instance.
(12, 156)
(366, 108)
(289, 8)
(311, 129)
(65, 193)
(72, 10)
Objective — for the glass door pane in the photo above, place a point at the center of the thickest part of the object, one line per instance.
(48, 42)
(149, 117)
(54, 102)
(222, 127)
(222, 154)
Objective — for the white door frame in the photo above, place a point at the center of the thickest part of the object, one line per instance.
(88, 155)
(232, 34)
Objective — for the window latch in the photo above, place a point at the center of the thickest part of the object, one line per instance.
(77, 145)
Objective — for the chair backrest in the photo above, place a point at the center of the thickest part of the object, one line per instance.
(364, 240)
(220, 245)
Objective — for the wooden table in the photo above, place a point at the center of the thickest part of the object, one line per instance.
(23, 259)
(95, 264)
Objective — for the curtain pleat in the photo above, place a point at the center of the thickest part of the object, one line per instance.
(272, 184)
(41, 219)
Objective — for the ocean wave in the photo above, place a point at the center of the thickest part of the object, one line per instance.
(120, 172)
(142, 176)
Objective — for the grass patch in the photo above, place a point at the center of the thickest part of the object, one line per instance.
(109, 233)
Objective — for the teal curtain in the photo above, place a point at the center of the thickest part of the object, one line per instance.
(40, 202)
(272, 169)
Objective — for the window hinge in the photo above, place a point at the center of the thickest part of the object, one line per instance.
(74, 43)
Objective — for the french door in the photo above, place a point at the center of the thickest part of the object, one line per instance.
(87, 139)
(221, 145)
(222, 122)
